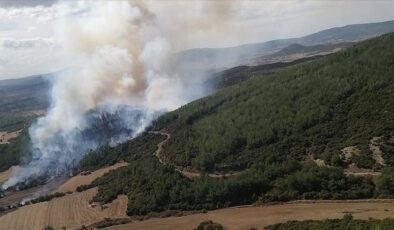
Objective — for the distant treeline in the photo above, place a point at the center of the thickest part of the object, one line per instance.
(347, 222)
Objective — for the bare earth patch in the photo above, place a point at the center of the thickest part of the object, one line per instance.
(374, 146)
(5, 137)
(349, 152)
(245, 217)
(80, 179)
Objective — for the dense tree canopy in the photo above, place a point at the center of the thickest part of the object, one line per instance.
(265, 127)
(337, 101)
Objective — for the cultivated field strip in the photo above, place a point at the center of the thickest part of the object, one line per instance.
(246, 217)
(71, 211)
(74, 182)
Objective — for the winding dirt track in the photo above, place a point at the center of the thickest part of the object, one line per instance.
(185, 172)
(74, 210)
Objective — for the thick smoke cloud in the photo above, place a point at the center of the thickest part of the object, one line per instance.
(123, 66)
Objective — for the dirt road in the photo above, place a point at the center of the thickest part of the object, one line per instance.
(159, 153)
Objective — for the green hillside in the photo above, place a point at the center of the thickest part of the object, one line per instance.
(12, 153)
(265, 127)
(320, 107)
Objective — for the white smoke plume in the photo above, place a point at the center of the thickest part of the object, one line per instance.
(120, 53)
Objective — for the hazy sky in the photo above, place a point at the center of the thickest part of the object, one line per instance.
(29, 45)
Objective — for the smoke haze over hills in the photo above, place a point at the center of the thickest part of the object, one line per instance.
(117, 63)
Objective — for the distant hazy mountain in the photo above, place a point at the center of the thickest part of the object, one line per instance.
(26, 95)
(221, 58)
(30, 95)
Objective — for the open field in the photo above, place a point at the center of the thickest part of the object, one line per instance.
(59, 185)
(245, 217)
(17, 197)
(6, 174)
(72, 210)
(74, 182)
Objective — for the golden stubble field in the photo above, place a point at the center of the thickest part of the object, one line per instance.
(71, 211)
(74, 182)
(243, 218)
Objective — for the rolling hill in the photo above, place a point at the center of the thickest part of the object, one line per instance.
(256, 54)
(271, 129)
(317, 107)
(28, 95)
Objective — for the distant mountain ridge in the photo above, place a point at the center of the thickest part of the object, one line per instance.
(222, 58)
(27, 95)
(31, 93)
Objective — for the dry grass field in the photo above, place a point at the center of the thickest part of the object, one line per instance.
(78, 180)
(245, 217)
(74, 210)
(59, 185)
(71, 211)
(6, 174)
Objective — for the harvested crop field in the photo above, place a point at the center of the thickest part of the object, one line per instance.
(59, 185)
(245, 217)
(74, 182)
(18, 196)
(74, 210)
(71, 211)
